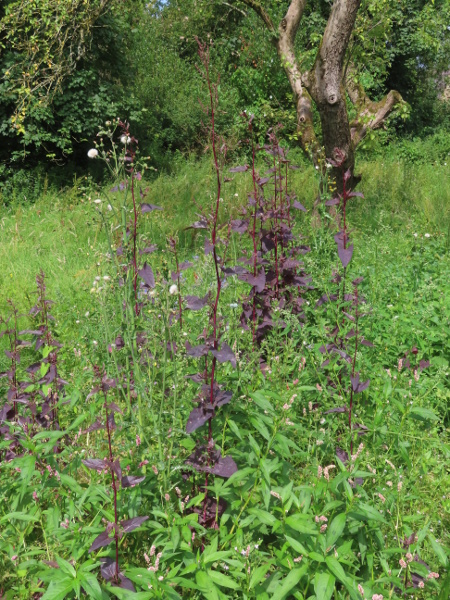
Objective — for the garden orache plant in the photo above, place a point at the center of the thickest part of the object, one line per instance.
(338, 348)
(276, 274)
(206, 458)
(115, 530)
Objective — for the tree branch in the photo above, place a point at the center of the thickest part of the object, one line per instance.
(260, 11)
(371, 115)
(329, 62)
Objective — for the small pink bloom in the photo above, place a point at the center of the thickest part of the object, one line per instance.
(421, 584)
(402, 563)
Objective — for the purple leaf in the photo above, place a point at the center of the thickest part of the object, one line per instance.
(197, 351)
(342, 455)
(97, 464)
(258, 282)
(225, 354)
(345, 254)
(131, 480)
(363, 386)
(202, 224)
(132, 524)
(298, 205)
(225, 467)
(357, 281)
(240, 169)
(196, 303)
(147, 275)
(209, 246)
(96, 426)
(145, 208)
(222, 398)
(108, 568)
(148, 249)
(338, 409)
(197, 418)
(234, 270)
(262, 181)
(102, 540)
(197, 377)
(424, 364)
(116, 468)
(239, 225)
(185, 265)
(347, 175)
(355, 382)
(355, 194)
(332, 202)
(126, 583)
(113, 406)
(366, 343)
(30, 332)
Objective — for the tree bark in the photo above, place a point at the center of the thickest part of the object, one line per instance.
(326, 85)
(287, 31)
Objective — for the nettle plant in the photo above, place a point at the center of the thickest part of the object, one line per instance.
(207, 458)
(345, 335)
(273, 269)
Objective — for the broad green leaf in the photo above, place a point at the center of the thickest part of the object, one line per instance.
(438, 550)
(72, 484)
(234, 428)
(260, 427)
(302, 524)
(19, 517)
(206, 586)
(175, 537)
(336, 568)
(259, 574)
(223, 580)
(265, 517)
(220, 555)
(296, 545)
(367, 512)
(335, 529)
(324, 585)
(58, 590)
(258, 398)
(423, 414)
(66, 567)
(289, 582)
(91, 586)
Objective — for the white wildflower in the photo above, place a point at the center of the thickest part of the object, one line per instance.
(92, 153)
(173, 290)
(98, 201)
